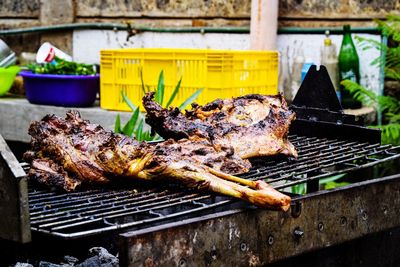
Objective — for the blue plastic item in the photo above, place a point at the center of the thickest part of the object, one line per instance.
(305, 68)
(61, 90)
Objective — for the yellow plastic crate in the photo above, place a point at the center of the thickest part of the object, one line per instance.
(222, 74)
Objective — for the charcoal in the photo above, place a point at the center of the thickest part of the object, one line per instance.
(70, 260)
(100, 258)
(22, 264)
(104, 256)
(92, 262)
(49, 264)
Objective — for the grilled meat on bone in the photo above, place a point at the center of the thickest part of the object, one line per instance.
(253, 125)
(71, 150)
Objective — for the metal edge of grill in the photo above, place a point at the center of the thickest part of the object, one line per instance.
(78, 214)
(323, 153)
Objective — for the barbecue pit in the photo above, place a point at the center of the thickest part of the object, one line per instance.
(167, 226)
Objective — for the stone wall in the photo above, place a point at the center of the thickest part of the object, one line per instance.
(174, 13)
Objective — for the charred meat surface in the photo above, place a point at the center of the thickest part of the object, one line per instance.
(68, 152)
(253, 125)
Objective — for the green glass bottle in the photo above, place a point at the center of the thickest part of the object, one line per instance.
(349, 68)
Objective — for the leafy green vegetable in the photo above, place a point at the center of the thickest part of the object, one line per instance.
(136, 124)
(62, 66)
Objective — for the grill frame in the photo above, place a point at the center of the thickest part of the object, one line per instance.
(254, 236)
(314, 154)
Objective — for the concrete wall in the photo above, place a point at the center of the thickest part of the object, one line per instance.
(86, 50)
(85, 45)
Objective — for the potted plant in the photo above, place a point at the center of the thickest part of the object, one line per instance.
(61, 83)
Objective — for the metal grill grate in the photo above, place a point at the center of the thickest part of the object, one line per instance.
(85, 213)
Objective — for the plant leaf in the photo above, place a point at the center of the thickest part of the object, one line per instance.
(332, 185)
(331, 178)
(129, 102)
(390, 133)
(130, 125)
(159, 97)
(139, 131)
(299, 189)
(174, 93)
(360, 93)
(191, 99)
(117, 125)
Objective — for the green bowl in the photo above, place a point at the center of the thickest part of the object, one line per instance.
(7, 76)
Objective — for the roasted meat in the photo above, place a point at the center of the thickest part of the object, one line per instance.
(67, 152)
(253, 125)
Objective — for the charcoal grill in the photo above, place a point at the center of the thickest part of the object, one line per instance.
(169, 226)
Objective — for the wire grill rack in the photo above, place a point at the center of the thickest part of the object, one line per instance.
(83, 213)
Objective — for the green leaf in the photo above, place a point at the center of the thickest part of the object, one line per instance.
(390, 133)
(360, 93)
(174, 93)
(129, 102)
(159, 97)
(130, 125)
(332, 185)
(389, 104)
(139, 131)
(191, 99)
(146, 136)
(299, 189)
(331, 178)
(117, 125)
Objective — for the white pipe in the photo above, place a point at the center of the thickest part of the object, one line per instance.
(264, 24)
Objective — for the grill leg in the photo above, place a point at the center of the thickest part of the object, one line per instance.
(312, 186)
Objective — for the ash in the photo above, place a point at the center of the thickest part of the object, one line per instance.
(98, 257)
